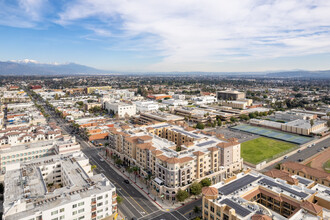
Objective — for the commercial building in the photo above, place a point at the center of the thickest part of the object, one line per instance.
(93, 89)
(175, 156)
(204, 100)
(305, 127)
(154, 117)
(239, 104)
(159, 96)
(290, 116)
(175, 102)
(121, 109)
(230, 95)
(146, 106)
(299, 126)
(251, 195)
(58, 187)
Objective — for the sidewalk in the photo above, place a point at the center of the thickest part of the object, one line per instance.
(142, 188)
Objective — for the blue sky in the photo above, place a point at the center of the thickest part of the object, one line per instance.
(152, 35)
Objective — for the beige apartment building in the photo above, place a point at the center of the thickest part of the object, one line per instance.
(173, 156)
(251, 195)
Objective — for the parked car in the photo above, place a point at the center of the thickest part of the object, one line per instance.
(300, 160)
(285, 157)
(299, 151)
(126, 181)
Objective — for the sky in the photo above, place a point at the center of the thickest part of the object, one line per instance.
(171, 35)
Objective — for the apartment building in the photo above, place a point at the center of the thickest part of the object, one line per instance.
(230, 95)
(13, 155)
(121, 109)
(20, 135)
(251, 195)
(305, 171)
(174, 156)
(58, 187)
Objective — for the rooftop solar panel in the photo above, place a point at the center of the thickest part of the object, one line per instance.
(206, 143)
(186, 133)
(303, 181)
(290, 190)
(240, 210)
(237, 184)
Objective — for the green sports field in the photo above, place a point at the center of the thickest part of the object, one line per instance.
(259, 149)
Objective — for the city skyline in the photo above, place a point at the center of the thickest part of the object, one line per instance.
(169, 36)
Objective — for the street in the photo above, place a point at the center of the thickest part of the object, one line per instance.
(304, 154)
(135, 204)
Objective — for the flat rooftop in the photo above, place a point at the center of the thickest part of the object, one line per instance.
(27, 185)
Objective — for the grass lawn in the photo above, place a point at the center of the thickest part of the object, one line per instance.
(326, 166)
(259, 149)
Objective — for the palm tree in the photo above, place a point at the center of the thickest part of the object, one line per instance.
(136, 169)
(130, 170)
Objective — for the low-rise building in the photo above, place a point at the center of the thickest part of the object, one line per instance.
(58, 187)
(154, 117)
(146, 106)
(175, 102)
(252, 195)
(230, 95)
(121, 109)
(159, 96)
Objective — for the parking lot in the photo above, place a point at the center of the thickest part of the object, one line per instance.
(231, 133)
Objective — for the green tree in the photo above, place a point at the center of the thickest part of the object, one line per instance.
(196, 188)
(206, 182)
(219, 122)
(233, 119)
(119, 199)
(312, 122)
(182, 195)
(200, 125)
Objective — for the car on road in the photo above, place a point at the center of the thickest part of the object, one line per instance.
(102, 160)
(126, 181)
(285, 157)
(300, 160)
(299, 151)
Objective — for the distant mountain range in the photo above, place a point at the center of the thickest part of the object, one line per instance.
(31, 67)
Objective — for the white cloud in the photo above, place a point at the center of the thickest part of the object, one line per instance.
(200, 35)
(22, 13)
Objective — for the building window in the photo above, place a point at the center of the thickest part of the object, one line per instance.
(54, 212)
